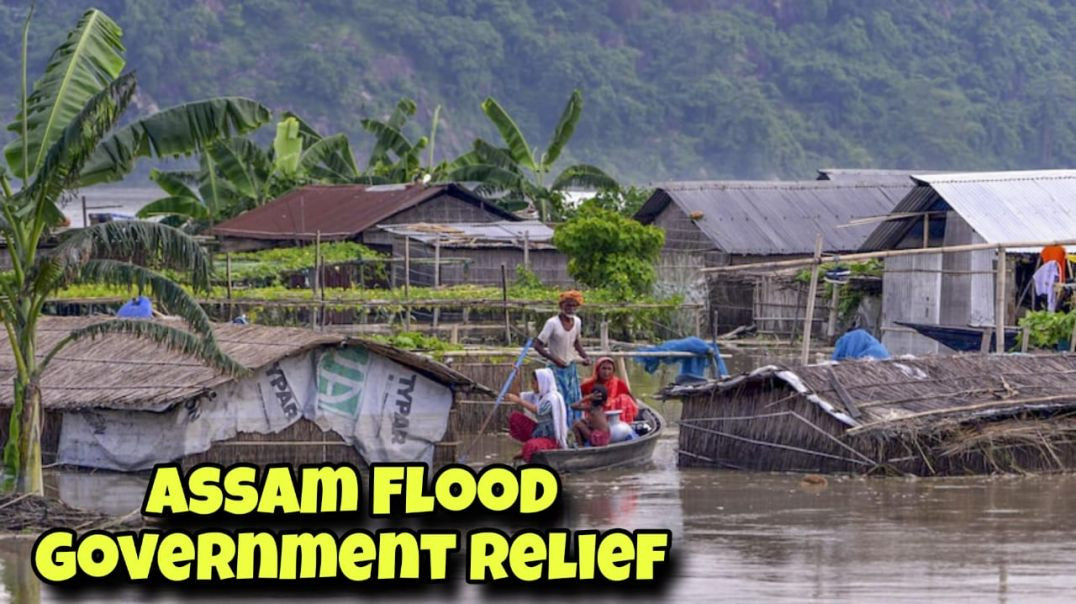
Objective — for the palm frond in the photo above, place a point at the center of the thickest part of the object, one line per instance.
(167, 246)
(176, 340)
(88, 60)
(179, 130)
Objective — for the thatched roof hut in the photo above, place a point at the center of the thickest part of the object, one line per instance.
(966, 414)
(103, 394)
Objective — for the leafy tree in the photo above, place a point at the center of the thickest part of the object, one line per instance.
(622, 200)
(609, 250)
(394, 158)
(66, 135)
(236, 174)
(520, 171)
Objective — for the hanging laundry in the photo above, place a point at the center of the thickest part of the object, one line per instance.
(1044, 279)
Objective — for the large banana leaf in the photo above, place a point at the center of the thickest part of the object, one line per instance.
(90, 58)
(179, 130)
(187, 207)
(495, 156)
(243, 165)
(330, 159)
(584, 175)
(287, 147)
(388, 139)
(565, 128)
(67, 154)
(513, 137)
(174, 183)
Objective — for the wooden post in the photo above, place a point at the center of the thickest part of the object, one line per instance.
(812, 291)
(526, 250)
(999, 302)
(85, 216)
(604, 335)
(228, 277)
(316, 284)
(407, 267)
(926, 229)
(713, 334)
(984, 343)
(504, 298)
(437, 264)
(698, 323)
(1025, 338)
(831, 324)
(1072, 339)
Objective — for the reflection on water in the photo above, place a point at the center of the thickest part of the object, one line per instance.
(753, 537)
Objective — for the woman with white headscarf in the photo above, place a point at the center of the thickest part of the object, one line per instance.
(549, 428)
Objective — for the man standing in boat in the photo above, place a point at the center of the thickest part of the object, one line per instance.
(560, 343)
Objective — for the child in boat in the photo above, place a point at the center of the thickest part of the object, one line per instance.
(593, 427)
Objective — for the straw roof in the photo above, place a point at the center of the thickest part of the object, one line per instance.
(123, 372)
(919, 394)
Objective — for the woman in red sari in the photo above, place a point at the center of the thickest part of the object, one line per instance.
(620, 398)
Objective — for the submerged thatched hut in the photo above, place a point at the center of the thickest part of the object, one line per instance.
(967, 414)
(122, 403)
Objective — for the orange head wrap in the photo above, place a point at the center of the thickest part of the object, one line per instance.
(573, 295)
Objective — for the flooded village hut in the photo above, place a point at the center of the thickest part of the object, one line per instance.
(347, 212)
(460, 253)
(709, 224)
(121, 403)
(963, 414)
(958, 288)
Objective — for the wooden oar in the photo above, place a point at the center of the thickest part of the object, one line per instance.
(500, 397)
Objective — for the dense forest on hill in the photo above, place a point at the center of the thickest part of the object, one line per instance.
(677, 89)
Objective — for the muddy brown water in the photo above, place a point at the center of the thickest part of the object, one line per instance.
(737, 536)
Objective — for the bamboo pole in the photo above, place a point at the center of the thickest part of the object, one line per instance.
(604, 335)
(526, 250)
(504, 293)
(85, 214)
(316, 284)
(966, 247)
(228, 276)
(831, 324)
(1025, 338)
(1072, 339)
(407, 283)
(999, 301)
(812, 291)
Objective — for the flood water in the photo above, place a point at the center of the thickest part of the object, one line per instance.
(742, 536)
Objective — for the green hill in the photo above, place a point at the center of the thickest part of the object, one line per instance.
(675, 89)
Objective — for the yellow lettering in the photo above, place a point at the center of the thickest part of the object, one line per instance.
(337, 489)
(165, 492)
(385, 482)
(95, 565)
(278, 491)
(559, 567)
(54, 556)
(204, 485)
(650, 548)
(527, 555)
(460, 477)
(265, 545)
(532, 480)
(216, 551)
(487, 552)
(242, 497)
(139, 561)
(410, 562)
(509, 489)
(307, 548)
(615, 553)
(438, 545)
(174, 556)
(357, 553)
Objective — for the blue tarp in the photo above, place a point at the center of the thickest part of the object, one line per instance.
(694, 367)
(138, 308)
(858, 344)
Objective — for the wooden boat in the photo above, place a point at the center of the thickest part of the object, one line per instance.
(618, 455)
(961, 339)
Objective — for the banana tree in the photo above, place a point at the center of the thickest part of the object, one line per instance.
(519, 171)
(235, 174)
(395, 158)
(66, 135)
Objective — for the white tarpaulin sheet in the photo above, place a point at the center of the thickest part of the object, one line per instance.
(388, 411)
(136, 440)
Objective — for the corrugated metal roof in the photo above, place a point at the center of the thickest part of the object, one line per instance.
(779, 217)
(1002, 207)
(476, 234)
(339, 211)
(864, 175)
